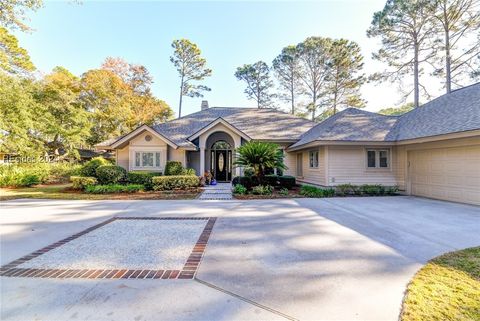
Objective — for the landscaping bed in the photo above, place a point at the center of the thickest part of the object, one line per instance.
(65, 191)
(446, 288)
(294, 192)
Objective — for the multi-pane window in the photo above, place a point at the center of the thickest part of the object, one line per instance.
(147, 159)
(378, 158)
(313, 158)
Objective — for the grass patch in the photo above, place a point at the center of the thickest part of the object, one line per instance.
(65, 192)
(447, 288)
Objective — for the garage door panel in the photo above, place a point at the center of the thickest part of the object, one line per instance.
(446, 173)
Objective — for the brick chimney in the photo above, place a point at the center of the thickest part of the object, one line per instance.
(204, 104)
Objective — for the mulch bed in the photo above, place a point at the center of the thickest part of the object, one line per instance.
(292, 193)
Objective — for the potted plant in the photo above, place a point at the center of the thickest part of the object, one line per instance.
(208, 177)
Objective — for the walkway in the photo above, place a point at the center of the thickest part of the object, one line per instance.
(221, 191)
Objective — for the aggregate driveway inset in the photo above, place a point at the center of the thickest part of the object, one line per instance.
(317, 259)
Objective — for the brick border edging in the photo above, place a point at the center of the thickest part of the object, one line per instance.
(188, 271)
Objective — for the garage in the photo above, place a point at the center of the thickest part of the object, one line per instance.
(451, 174)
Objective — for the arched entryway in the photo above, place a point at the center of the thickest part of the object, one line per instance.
(219, 156)
(221, 161)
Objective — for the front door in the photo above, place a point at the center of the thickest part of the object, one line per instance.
(221, 165)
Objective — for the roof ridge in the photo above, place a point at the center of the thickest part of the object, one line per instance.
(436, 98)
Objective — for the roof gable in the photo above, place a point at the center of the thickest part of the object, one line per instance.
(215, 123)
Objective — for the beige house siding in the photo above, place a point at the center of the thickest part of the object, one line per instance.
(125, 155)
(314, 176)
(290, 161)
(176, 155)
(347, 165)
(122, 157)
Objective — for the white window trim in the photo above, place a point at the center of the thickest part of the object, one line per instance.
(377, 158)
(150, 149)
(318, 159)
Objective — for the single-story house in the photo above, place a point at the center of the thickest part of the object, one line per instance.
(431, 151)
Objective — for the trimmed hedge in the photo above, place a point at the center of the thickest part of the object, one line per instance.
(111, 174)
(287, 181)
(89, 169)
(80, 182)
(142, 178)
(247, 181)
(366, 189)
(28, 174)
(173, 168)
(165, 183)
(271, 180)
(113, 188)
(312, 191)
(189, 171)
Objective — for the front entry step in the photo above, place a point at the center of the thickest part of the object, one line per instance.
(221, 191)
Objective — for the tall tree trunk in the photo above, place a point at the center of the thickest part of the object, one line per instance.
(448, 58)
(292, 92)
(416, 86)
(181, 97)
(314, 105)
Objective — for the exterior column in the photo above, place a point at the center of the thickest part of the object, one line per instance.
(202, 161)
(238, 142)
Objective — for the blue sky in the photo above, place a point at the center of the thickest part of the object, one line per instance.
(80, 36)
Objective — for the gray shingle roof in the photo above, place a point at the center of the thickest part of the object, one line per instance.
(351, 124)
(259, 124)
(456, 112)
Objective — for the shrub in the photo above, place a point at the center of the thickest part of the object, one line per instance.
(372, 189)
(391, 190)
(262, 190)
(27, 174)
(283, 191)
(271, 180)
(287, 181)
(239, 189)
(260, 156)
(189, 171)
(173, 168)
(80, 182)
(110, 174)
(113, 188)
(89, 169)
(247, 181)
(249, 172)
(345, 189)
(163, 183)
(28, 180)
(142, 178)
(312, 191)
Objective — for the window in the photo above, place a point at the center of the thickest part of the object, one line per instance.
(147, 159)
(313, 157)
(378, 158)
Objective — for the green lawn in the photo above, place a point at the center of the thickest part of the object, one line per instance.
(447, 288)
(63, 191)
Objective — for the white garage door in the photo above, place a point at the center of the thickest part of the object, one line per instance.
(451, 174)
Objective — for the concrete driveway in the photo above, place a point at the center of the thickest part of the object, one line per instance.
(317, 259)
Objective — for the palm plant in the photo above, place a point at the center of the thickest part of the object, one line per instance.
(260, 156)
